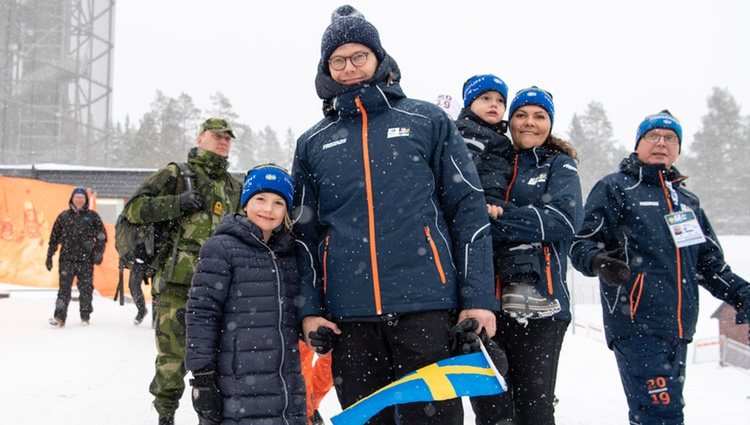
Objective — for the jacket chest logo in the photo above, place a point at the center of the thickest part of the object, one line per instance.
(649, 203)
(398, 132)
(334, 143)
(541, 178)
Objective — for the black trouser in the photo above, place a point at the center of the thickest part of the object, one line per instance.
(533, 352)
(370, 355)
(85, 273)
(134, 284)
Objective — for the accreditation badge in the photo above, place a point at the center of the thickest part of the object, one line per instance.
(684, 228)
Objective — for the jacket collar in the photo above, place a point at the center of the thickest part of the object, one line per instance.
(214, 165)
(633, 166)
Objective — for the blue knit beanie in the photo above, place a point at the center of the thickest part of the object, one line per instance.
(268, 178)
(348, 25)
(533, 96)
(663, 119)
(480, 84)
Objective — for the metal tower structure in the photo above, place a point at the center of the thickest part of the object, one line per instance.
(56, 81)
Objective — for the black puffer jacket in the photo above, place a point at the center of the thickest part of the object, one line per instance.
(81, 234)
(492, 153)
(241, 319)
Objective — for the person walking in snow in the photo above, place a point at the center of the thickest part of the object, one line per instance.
(80, 234)
(195, 214)
(651, 244)
(242, 337)
(392, 220)
(545, 191)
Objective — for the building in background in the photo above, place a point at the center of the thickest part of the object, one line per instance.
(56, 81)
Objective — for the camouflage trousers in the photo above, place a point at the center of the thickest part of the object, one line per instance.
(169, 381)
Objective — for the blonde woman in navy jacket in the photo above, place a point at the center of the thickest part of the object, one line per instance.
(649, 279)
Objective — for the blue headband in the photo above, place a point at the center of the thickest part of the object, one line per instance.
(533, 96)
(480, 84)
(268, 178)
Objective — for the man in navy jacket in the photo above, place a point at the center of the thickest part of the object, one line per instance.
(651, 244)
(395, 242)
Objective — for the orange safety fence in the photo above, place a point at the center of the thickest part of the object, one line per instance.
(28, 209)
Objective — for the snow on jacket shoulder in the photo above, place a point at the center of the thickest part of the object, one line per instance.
(392, 215)
(242, 320)
(627, 209)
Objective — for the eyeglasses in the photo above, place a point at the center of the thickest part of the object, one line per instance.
(338, 63)
(669, 139)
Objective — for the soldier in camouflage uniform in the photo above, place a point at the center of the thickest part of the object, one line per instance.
(196, 213)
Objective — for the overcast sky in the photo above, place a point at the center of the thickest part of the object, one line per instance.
(636, 57)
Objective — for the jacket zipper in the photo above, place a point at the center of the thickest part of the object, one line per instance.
(678, 258)
(370, 209)
(438, 264)
(325, 265)
(638, 284)
(513, 178)
(548, 269)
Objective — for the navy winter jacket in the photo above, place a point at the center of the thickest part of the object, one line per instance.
(393, 215)
(546, 190)
(241, 320)
(627, 209)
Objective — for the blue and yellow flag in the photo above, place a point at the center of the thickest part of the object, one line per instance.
(466, 375)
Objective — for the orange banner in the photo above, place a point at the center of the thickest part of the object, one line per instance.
(28, 209)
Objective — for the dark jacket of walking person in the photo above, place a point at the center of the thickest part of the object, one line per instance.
(546, 190)
(193, 215)
(80, 234)
(651, 244)
(242, 336)
(392, 221)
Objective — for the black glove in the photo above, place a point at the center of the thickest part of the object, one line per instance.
(207, 400)
(742, 305)
(48, 263)
(98, 257)
(610, 268)
(322, 339)
(191, 202)
(465, 341)
(463, 337)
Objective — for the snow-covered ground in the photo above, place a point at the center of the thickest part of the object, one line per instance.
(100, 374)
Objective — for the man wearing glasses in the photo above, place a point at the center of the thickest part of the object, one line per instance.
(395, 233)
(651, 244)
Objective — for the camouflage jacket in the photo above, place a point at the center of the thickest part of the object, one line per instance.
(158, 200)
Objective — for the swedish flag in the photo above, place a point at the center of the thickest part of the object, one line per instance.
(466, 375)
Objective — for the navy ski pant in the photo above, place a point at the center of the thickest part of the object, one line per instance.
(84, 274)
(652, 370)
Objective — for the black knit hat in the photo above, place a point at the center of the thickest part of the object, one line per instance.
(348, 25)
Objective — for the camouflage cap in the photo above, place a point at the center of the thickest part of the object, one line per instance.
(217, 125)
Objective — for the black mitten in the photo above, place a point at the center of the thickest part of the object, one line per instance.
(610, 268)
(98, 257)
(463, 337)
(207, 400)
(741, 303)
(322, 339)
(48, 263)
(191, 202)
(496, 353)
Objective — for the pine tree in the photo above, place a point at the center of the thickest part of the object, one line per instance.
(592, 136)
(716, 156)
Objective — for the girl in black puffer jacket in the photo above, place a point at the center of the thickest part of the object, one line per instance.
(242, 339)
